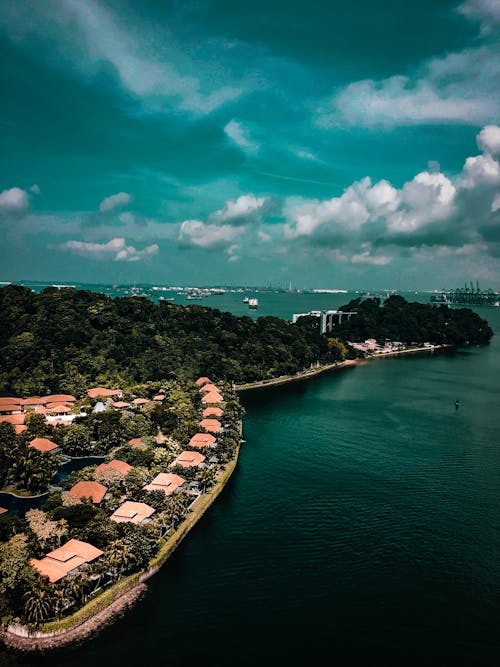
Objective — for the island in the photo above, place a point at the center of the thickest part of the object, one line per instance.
(151, 390)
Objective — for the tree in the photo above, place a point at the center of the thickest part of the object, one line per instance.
(39, 604)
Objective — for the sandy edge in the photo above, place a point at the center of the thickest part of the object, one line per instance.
(309, 374)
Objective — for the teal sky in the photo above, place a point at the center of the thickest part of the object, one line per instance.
(333, 144)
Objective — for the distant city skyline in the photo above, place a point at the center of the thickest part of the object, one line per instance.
(348, 146)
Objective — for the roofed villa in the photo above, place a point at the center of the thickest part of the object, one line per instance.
(188, 459)
(44, 445)
(212, 411)
(202, 440)
(167, 482)
(66, 559)
(119, 466)
(212, 425)
(89, 491)
(131, 512)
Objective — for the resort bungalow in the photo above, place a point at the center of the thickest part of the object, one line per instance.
(66, 560)
(212, 425)
(159, 397)
(120, 466)
(166, 482)
(88, 490)
(10, 408)
(201, 381)
(188, 460)
(17, 421)
(212, 397)
(137, 443)
(140, 402)
(102, 392)
(209, 387)
(132, 512)
(44, 445)
(3, 510)
(212, 411)
(200, 440)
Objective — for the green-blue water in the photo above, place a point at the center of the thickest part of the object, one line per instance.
(361, 524)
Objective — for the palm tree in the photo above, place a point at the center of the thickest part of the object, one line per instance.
(206, 478)
(38, 605)
(119, 558)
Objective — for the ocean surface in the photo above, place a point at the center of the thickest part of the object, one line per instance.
(362, 524)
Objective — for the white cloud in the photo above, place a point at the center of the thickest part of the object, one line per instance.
(489, 138)
(480, 170)
(14, 201)
(115, 249)
(366, 258)
(495, 204)
(240, 211)
(240, 136)
(87, 35)
(461, 87)
(115, 201)
(208, 236)
(35, 189)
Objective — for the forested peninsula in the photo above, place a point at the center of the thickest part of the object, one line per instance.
(67, 340)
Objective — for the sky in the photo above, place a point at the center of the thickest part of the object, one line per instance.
(211, 142)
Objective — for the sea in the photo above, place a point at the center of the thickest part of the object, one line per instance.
(361, 525)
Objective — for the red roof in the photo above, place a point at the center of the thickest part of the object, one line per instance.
(115, 464)
(209, 387)
(102, 392)
(43, 444)
(201, 381)
(189, 459)
(211, 425)
(132, 512)
(212, 397)
(60, 562)
(202, 440)
(58, 407)
(34, 400)
(121, 404)
(20, 428)
(159, 397)
(141, 401)
(165, 481)
(59, 398)
(10, 401)
(3, 510)
(13, 419)
(92, 490)
(212, 411)
(136, 442)
(9, 407)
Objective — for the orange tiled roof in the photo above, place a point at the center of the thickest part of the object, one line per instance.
(9, 400)
(212, 411)
(102, 392)
(43, 444)
(33, 400)
(212, 397)
(121, 404)
(20, 428)
(159, 397)
(13, 419)
(59, 398)
(212, 425)
(201, 381)
(209, 387)
(9, 407)
(165, 481)
(135, 442)
(57, 407)
(132, 512)
(141, 401)
(202, 440)
(3, 510)
(189, 459)
(92, 490)
(60, 562)
(115, 464)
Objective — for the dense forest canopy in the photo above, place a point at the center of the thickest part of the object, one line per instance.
(412, 322)
(68, 340)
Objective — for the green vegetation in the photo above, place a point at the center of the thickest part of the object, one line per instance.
(68, 340)
(399, 320)
(128, 549)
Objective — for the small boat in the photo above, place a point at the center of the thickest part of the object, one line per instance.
(253, 303)
(246, 300)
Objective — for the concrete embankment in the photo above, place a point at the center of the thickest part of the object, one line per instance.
(113, 602)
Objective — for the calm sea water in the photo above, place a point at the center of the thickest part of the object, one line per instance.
(361, 524)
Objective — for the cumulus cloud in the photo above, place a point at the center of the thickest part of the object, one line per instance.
(115, 201)
(487, 12)
(243, 210)
(208, 236)
(12, 201)
(115, 249)
(375, 222)
(240, 136)
(489, 138)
